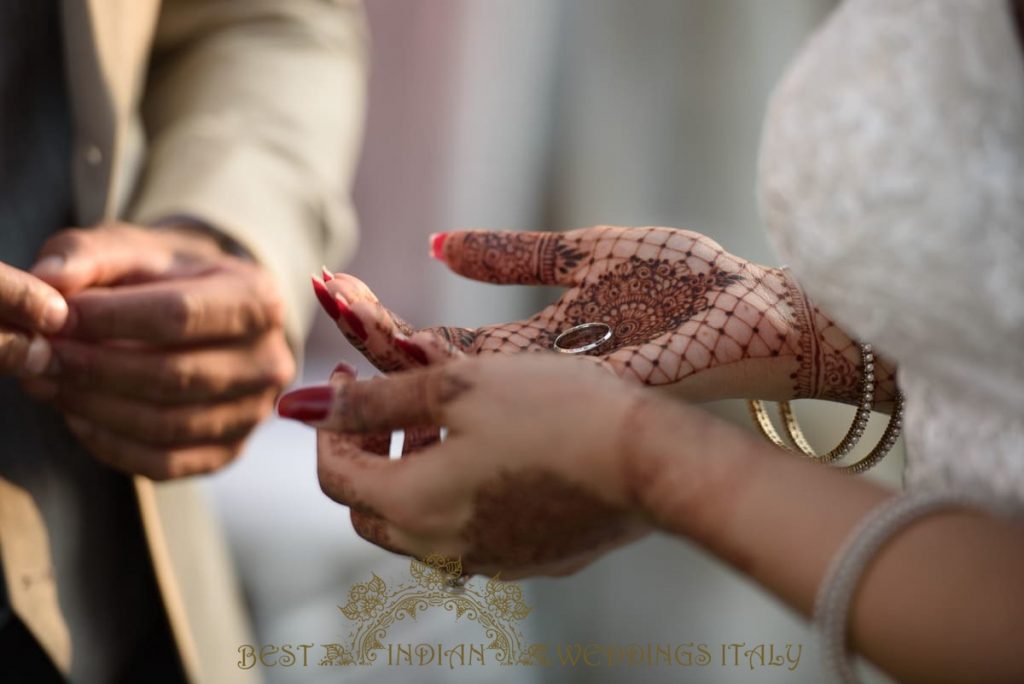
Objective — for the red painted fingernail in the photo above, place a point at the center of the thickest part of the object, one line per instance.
(327, 275)
(437, 245)
(309, 404)
(358, 329)
(344, 369)
(412, 349)
(327, 301)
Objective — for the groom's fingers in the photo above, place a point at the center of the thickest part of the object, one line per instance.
(512, 257)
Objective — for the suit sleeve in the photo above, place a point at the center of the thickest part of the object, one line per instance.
(253, 111)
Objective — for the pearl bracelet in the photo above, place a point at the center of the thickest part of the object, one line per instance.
(835, 595)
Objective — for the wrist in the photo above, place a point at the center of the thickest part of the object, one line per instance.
(829, 364)
(683, 466)
(752, 336)
(200, 234)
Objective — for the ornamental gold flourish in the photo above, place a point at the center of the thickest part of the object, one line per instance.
(375, 608)
(365, 599)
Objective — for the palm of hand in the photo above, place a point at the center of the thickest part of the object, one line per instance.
(675, 300)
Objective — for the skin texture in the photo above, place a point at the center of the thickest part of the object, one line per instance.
(29, 310)
(683, 311)
(171, 352)
(462, 507)
(942, 602)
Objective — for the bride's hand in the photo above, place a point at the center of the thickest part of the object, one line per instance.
(534, 477)
(677, 304)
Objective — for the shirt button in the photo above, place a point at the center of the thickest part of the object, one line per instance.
(93, 155)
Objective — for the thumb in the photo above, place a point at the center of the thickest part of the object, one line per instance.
(75, 259)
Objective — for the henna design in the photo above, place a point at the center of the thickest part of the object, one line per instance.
(840, 377)
(678, 303)
(558, 263)
(457, 338)
(509, 510)
(513, 258)
(642, 299)
(366, 521)
(808, 357)
(829, 360)
(399, 323)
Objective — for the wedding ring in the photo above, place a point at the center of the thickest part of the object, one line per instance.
(582, 338)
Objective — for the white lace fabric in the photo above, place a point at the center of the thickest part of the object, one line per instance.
(892, 179)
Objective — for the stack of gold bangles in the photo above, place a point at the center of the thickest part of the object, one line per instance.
(853, 435)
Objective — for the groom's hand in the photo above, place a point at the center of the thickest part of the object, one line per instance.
(29, 309)
(173, 350)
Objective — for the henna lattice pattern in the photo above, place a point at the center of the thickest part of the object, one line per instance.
(676, 301)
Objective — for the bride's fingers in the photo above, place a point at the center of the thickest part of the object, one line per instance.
(375, 332)
(417, 398)
(513, 257)
(354, 290)
(417, 439)
(334, 443)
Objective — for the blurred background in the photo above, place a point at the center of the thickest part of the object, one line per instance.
(534, 114)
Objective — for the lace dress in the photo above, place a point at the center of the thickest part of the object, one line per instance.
(892, 179)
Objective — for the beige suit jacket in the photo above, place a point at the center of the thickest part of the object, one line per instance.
(246, 115)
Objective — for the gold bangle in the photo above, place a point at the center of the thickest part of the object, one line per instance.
(884, 446)
(853, 435)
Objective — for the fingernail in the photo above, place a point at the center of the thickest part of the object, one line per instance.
(327, 275)
(437, 245)
(327, 301)
(344, 369)
(412, 349)
(309, 404)
(55, 315)
(49, 267)
(38, 356)
(358, 329)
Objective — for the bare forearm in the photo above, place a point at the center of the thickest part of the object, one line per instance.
(942, 602)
